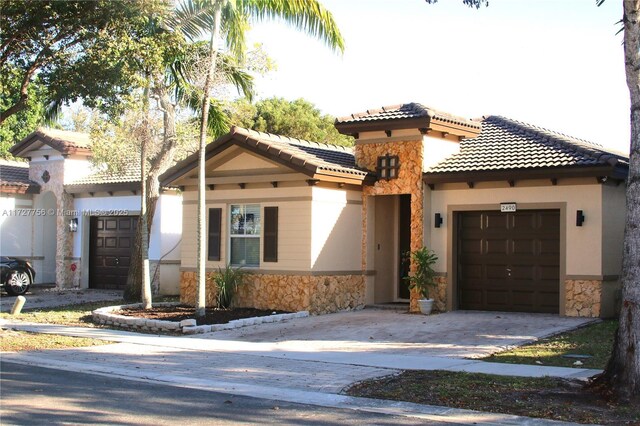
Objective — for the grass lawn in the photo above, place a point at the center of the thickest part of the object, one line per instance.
(11, 340)
(534, 397)
(74, 315)
(595, 340)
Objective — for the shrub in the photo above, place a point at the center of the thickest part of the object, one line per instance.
(424, 277)
(226, 281)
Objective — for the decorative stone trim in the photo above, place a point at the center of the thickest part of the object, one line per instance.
(316, 294)
(583, 298)
(105, 316)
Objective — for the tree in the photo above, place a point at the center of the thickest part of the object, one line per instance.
(19, 125)
(622, 374)
(297, 119)
(67, 46)
(228, 20)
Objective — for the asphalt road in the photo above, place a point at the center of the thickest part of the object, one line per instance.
(37, 396)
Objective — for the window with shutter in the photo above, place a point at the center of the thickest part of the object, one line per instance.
(215, 226)
(270, 247)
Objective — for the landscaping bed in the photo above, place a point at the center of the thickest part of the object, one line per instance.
(182, 312)
(546, 397)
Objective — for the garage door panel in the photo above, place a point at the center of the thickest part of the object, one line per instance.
(495, 221)
(519, 267)
(495, 246)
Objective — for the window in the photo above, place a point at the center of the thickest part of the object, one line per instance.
(388, 166)
(245, 234)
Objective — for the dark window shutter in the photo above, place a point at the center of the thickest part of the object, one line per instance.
(270, 248)
(215, 225)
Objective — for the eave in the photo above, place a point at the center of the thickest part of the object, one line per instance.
(515, 175)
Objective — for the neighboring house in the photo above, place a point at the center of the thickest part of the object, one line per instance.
(521, 218)
(77, 225)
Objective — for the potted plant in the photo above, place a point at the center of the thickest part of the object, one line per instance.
(424, 276)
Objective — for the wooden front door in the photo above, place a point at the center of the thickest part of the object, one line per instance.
(509, 261)
(111, 243)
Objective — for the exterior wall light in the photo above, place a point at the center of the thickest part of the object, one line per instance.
(437, 220)
(73, 225)
(579, 218)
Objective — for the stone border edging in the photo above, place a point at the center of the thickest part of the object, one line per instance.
(105, 316)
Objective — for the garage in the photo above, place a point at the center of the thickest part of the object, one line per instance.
(508, 261)
(111, 242)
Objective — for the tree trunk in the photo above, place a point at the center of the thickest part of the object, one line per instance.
(622, 374)
(201, 230)
(158, 165)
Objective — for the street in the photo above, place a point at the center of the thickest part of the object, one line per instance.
(35, 396)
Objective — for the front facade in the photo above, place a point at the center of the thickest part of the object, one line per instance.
(522, 219)
(76, 225)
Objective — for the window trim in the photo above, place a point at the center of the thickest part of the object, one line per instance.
(258, 236)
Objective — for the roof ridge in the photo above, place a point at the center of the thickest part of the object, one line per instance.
(290, 140)
(566, 141)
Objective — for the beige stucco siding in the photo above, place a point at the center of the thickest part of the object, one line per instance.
(583, 244)
(613, 221)
(437, 149)
(294, 224)
(336, 223)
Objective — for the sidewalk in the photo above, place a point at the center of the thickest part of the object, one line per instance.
(264, 370)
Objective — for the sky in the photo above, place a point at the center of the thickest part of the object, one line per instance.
(557, 64)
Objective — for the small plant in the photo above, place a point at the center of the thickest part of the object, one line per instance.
(424, 277)
(226, 281)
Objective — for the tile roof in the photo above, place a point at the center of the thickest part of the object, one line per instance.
(506, 144)
(130, 174)
(303, 153)
(308, 157)
(65, 141)
(15, 174)
(411, 110)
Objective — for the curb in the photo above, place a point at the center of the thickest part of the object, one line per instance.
(105, 316)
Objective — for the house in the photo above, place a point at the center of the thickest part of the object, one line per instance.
(521, 218)
(76, 224)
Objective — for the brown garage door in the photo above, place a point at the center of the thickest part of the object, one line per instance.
(110, 250)
(509, 261)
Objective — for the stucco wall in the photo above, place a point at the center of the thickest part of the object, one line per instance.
(294, 224)
(613, 221)
(583, 244)
(336, 221)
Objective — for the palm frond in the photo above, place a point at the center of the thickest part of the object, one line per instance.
(194, 17)
(308, 16)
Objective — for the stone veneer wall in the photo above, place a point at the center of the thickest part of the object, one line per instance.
(439, 294)
(583, 298)
(316, 294)
(409, 181)
(64, 202)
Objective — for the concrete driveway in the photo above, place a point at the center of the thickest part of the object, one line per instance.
(458, 334)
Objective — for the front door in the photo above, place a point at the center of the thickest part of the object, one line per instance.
(111, 243)
(404, 245)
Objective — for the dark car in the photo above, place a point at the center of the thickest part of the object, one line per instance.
(16, 275)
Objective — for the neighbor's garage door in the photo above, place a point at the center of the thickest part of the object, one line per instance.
(509, 261)
(111, 242)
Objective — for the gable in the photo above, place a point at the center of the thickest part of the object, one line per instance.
(245, 162)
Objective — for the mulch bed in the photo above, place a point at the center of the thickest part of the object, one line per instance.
(182, 312)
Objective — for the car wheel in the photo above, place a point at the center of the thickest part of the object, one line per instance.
(18, 283)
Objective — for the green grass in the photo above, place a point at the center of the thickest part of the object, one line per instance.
(545, 397)
(78, 315)
(595, 340)
(15, 341)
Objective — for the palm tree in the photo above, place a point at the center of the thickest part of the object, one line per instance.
(228, 20)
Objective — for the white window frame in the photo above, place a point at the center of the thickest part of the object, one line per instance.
(257, 236)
